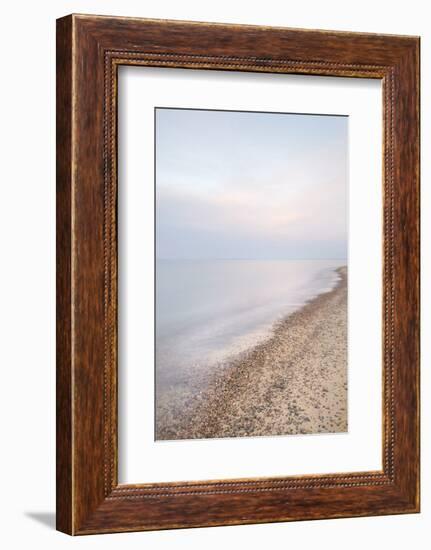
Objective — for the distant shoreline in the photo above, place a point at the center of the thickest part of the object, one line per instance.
(293, 383)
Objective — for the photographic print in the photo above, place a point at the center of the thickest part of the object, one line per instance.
(250, 273)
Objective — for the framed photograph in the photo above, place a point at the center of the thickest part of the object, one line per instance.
(237, 274)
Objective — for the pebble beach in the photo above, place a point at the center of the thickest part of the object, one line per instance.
(295, 382)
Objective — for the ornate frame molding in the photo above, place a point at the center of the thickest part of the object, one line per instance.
(90, 49)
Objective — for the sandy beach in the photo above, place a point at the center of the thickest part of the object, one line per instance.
(293, 383)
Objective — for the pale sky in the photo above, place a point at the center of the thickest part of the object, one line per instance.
(240, 185)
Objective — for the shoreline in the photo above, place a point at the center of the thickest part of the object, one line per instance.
(295, 382)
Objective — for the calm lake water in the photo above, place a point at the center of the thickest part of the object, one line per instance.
(209, 311)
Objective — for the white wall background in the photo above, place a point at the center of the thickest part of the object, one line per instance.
(27, 289)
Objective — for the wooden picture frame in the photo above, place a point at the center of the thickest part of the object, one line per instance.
(89, 51)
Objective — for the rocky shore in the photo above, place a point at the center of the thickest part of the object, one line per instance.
(293, 383)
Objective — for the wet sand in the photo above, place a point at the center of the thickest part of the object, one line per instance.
(293, 383)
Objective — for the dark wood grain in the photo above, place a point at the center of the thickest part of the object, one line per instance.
(64, 496)
(90, 49)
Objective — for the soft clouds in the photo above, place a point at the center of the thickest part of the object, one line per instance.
(244, 185)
